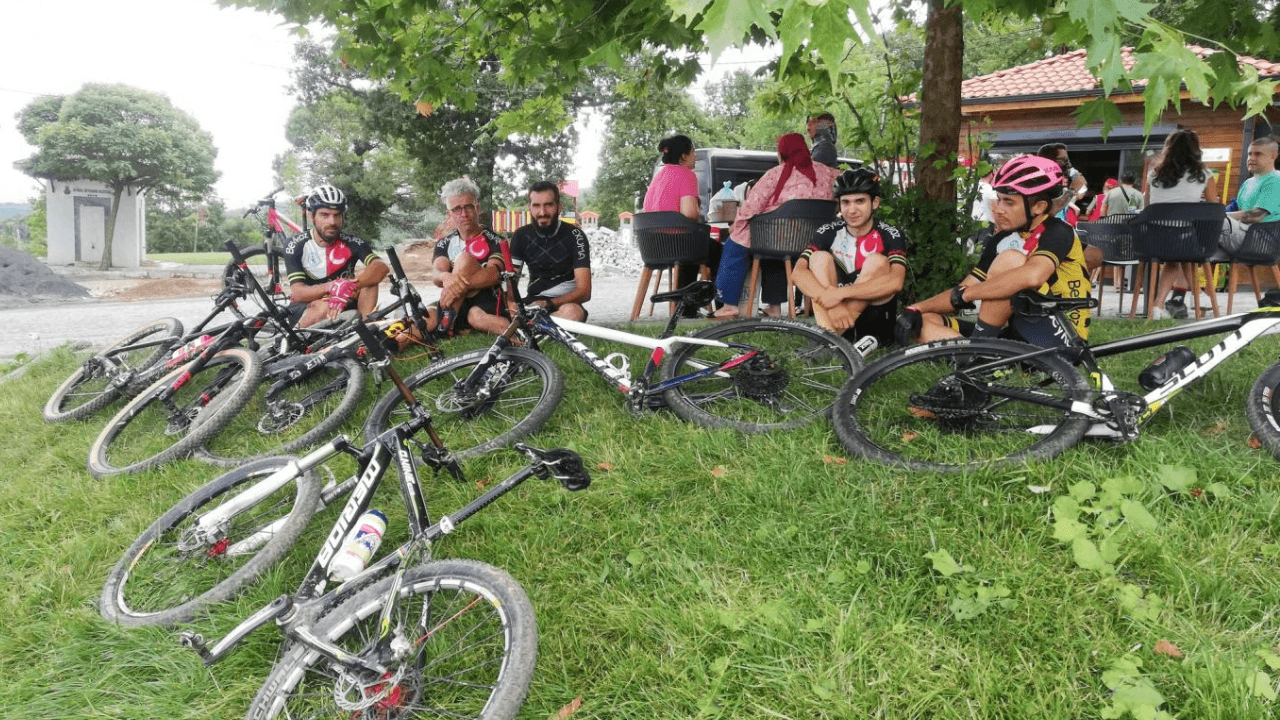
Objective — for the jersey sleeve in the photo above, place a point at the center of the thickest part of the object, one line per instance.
(581, 250)
(495, 248)
(293, 272)
(1056, 243)
(895, 243)
(822, 239)
(518, 241)
(442, 248)
(989, 241)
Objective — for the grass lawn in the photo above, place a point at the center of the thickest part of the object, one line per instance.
(203, 258)
(710, 574)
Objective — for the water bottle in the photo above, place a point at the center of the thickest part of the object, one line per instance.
(1165, 367)
(866, 344)
(188, 351)
(360, 545)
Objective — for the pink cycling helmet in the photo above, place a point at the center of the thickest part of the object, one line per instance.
(1029, 175)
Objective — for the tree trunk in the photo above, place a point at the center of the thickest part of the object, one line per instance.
(105, 263)
(940, 100)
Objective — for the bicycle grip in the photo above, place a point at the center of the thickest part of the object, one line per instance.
(372, 342)
(394, 260)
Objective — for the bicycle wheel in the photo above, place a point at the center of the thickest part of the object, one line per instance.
(288, 416)
(111, 373)
(909, 408)
(1262, 407)
(793, 380)
(463, 643)
(516, 397)
(174, 569)
(176, 415)
(259, 263)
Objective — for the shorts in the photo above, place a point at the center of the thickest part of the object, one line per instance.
(1038, 331)
(876, 321)
(489, 300)
(529, 301)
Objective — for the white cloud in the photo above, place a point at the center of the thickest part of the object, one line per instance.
(226, 68)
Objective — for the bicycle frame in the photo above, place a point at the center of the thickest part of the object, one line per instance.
(1242, 329)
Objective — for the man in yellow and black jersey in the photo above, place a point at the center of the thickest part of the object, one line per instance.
(1028, 249)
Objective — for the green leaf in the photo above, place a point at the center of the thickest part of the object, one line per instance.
(1137, 514)
(1087, 556)
(720, 665)
(1067, 530)
(1269, 657)
(1127, 485)
(1083, 491)
(1176, 478)
(862, 568)
(836, 576)
(944, 563)
(635, 558)
(727, 22)
(1259, 684)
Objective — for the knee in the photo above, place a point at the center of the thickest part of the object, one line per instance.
(1007, 260)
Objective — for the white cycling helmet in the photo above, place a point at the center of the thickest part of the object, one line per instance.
(327, 196)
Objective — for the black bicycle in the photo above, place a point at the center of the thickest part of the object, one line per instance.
(404, 637)
(752, 376)
(966, 403)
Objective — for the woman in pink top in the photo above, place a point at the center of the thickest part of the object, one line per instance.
(675, 186)
(798, 177)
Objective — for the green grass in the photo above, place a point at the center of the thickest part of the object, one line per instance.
(202, 258)
(710, 574)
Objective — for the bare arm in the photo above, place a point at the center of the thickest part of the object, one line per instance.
(1034, 273)
(691, 207)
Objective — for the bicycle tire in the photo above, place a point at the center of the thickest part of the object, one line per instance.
(795, 381)
(169, 574)
(878, 413)
(151, 430)
(290, 416)
(109, 373)
(487, 679)
(522, 401)
(1262, 408)
(273, 284)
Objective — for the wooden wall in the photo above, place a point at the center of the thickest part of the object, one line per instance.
(1217, 127)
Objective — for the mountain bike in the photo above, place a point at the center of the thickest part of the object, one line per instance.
(135, 361)
(275, 232)
(230, 404)
(966, 403)
(405, 636)
(753, 376)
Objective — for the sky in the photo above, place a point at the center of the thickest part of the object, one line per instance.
(228, 69)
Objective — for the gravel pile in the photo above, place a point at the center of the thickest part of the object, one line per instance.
(613, 253)
(23, 278)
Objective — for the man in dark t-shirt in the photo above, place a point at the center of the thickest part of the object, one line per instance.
(557, 255)
(320, 264)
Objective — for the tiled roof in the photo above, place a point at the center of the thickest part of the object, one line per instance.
(1067, 74)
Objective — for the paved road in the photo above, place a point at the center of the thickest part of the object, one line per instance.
(37, 327)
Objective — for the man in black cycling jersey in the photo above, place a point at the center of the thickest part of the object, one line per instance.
(1028, 249)
(855, 267)
(557, 254)
(467, 262)
(320, 264)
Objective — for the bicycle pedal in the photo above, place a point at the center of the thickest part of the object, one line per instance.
(195, 641)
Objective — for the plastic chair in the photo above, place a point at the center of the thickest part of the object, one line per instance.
(1183, 233)
(1112, 236)
(666, 240)
(1261, 246)
(782, 234)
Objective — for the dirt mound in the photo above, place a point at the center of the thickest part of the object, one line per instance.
(22, 276)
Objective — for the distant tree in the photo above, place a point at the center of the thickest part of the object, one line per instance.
(176, 225)
(132, 140)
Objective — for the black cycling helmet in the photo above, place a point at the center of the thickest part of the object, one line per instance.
(861, 180)
(327, 196)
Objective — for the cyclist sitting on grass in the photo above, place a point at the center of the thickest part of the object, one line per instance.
(320, 264)
(855, 267)
(1028, 249)
(467, 262)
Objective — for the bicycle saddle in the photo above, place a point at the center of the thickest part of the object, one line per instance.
(1032, 303)
(699, 293)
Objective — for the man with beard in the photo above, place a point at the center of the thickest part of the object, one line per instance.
(320, 264)
(557, 254)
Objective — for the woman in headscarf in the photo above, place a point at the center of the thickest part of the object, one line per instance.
(796, 178)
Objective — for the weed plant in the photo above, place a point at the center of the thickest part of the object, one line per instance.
(715, 575)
